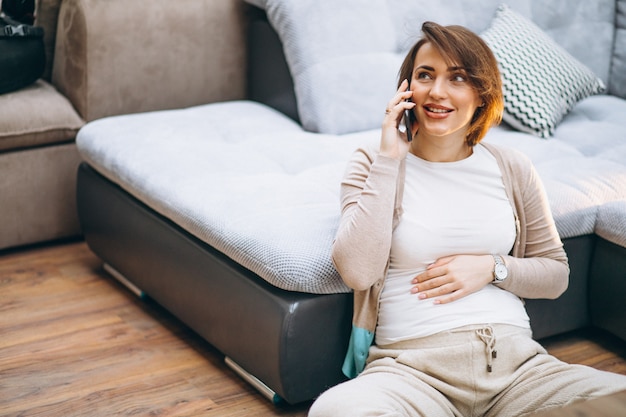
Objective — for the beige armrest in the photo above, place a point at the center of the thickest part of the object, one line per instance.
(46, 16)
(126, 56)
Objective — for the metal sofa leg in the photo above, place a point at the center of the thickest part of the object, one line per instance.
(122, 279)
(254, 381)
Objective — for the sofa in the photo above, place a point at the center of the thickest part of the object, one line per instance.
(38, 124)
(38, 157)
(224, 211)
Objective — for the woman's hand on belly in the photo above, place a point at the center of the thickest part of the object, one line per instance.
(453, 277)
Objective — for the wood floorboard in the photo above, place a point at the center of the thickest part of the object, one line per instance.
(75, 342)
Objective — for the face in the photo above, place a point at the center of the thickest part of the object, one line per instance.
(445, 99)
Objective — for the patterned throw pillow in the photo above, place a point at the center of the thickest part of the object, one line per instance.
(542, 82)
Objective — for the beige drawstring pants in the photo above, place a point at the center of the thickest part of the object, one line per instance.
(457, 373)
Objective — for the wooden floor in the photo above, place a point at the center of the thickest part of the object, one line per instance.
(74, 342)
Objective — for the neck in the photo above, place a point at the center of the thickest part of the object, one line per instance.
(440, 149)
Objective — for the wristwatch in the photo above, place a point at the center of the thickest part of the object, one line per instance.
(499, 271)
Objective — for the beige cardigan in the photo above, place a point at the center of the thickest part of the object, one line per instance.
(371, 201)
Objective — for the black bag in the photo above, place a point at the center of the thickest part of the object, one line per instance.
(21, 10)
(22, 54)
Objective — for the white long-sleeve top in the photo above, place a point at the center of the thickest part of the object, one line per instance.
(450, 208)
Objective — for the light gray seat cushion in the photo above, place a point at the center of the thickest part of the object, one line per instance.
(611, 224)
(583, 165)
(239, 176)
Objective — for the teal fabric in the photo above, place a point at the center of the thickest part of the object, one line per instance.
(358, 349)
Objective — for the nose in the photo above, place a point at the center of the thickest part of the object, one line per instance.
(438, 89)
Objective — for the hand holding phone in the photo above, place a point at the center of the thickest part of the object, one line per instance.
(397, 123)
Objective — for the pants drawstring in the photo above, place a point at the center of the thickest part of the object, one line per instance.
(487, 336)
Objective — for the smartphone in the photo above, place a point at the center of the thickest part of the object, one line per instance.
(406, 121)
(405, 126)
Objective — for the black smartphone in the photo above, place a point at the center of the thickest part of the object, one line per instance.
(406, 120)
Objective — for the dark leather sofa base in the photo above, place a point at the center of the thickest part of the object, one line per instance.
(571, 310)
(292, 342)
(607, 289)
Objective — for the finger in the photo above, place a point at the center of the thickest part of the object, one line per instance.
(430, 273)
(403, 86)
(441, 261)
(447, 292)
(449, 298)
(429, 286)
(456, 293)
(442, 291)
(402, 94)
(424, 276)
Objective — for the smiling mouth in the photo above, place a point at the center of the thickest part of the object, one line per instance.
(437, 110)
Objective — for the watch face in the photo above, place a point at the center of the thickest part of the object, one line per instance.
(501, 272)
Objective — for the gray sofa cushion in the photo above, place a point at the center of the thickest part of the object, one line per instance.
(257, 188)
(611, 223)
(344, 58)
(583, 165)
(338, 52)
(617, 85)
(541, 81)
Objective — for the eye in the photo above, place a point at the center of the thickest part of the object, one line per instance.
(423, 75)
(459, 78)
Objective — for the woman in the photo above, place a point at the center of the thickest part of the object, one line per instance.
(441, 237)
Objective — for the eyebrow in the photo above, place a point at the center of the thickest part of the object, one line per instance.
(450, 69)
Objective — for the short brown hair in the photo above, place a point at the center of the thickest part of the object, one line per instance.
(460, 46)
